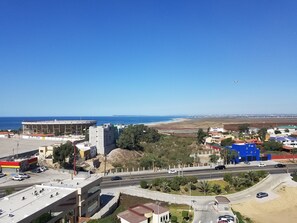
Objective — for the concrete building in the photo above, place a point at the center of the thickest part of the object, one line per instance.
(103, 137)
(86, 150)
(58, 127)
(18, 165)
(145, 213)
(46, 152)
(246, 152)
(290, 142)
(55, 202)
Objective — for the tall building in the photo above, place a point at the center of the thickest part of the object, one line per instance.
(103, 137)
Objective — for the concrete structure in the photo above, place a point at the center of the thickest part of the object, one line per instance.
(222, 203)
(63, 201)
(246, 152)
(18, 165)
(86, 150)
(145, 213)
(287, 141)
(103, 137)
(58, 127)
(46, 152)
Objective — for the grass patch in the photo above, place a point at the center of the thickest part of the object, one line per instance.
(177, 209)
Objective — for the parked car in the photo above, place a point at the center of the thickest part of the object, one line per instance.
(226, 218)
(2, 175)
(220, 167)
(43, 168)
(280, 165)
(172, 171)
(17, 178)
(261, 195)
(247, 163)
(261, 164)
(116, 178)
(23, 175)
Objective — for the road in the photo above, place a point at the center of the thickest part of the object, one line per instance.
(134, 179)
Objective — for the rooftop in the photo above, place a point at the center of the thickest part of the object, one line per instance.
(21, 204)
(61, 122)
(78, 181)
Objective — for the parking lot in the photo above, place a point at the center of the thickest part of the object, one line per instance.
(35, 178)
(17, 145)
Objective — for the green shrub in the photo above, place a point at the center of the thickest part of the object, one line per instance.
(173, 219)
(144, 184)
(185, 214)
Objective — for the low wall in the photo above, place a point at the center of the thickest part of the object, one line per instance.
(108, 208)
(280, 157)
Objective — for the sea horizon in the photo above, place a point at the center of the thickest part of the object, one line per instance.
(15, 122)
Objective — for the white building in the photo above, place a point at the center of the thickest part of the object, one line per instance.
(63, 201)
(145, 213)
(103, 137)
(86, 150)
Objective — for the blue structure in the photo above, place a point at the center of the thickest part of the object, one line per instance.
(246, 152)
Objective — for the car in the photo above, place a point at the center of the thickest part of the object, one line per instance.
(116, 178)
(17, 178)
(226, 218)
(2, 175)
(172, 171)
(261, 164)
(220, 167)
(262, 194)
(279, 165)
(247, 163)
(23, 175)
(43, 168)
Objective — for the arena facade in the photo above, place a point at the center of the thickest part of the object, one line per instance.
(57, 127)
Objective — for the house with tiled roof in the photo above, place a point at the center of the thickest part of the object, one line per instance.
(145, 213)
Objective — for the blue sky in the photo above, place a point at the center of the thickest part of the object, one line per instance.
(147, 57)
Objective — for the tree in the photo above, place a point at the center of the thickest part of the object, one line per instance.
(64, 151)
(133, 135)
(227, 142)
(216, 188)
(272, 145)
(262, 134)
(204, 186)
(214, 158)
(201, 136)
(277, 132)
(243, 128)
(287, 130)
(228, 155)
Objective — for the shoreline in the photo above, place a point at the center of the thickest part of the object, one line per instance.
(175, 120)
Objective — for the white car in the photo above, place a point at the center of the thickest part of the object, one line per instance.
(17, 178)
(172, 171)
(23, 175)
(261, 164)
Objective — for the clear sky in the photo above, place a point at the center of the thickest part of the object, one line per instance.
(147, 57)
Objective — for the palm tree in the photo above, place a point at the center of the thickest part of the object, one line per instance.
(165, 186)
(204, 186)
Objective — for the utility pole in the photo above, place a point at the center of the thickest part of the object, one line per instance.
(74, 161)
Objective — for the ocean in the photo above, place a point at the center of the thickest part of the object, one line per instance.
(14, 123)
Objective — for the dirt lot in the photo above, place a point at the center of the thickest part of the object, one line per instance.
(281, 207)
(191, 125)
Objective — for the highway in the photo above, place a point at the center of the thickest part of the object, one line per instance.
(202, 174)
(205, 174)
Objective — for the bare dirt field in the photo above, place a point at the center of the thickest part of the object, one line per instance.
(279, 207)
(17, 145)
(191, 125)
